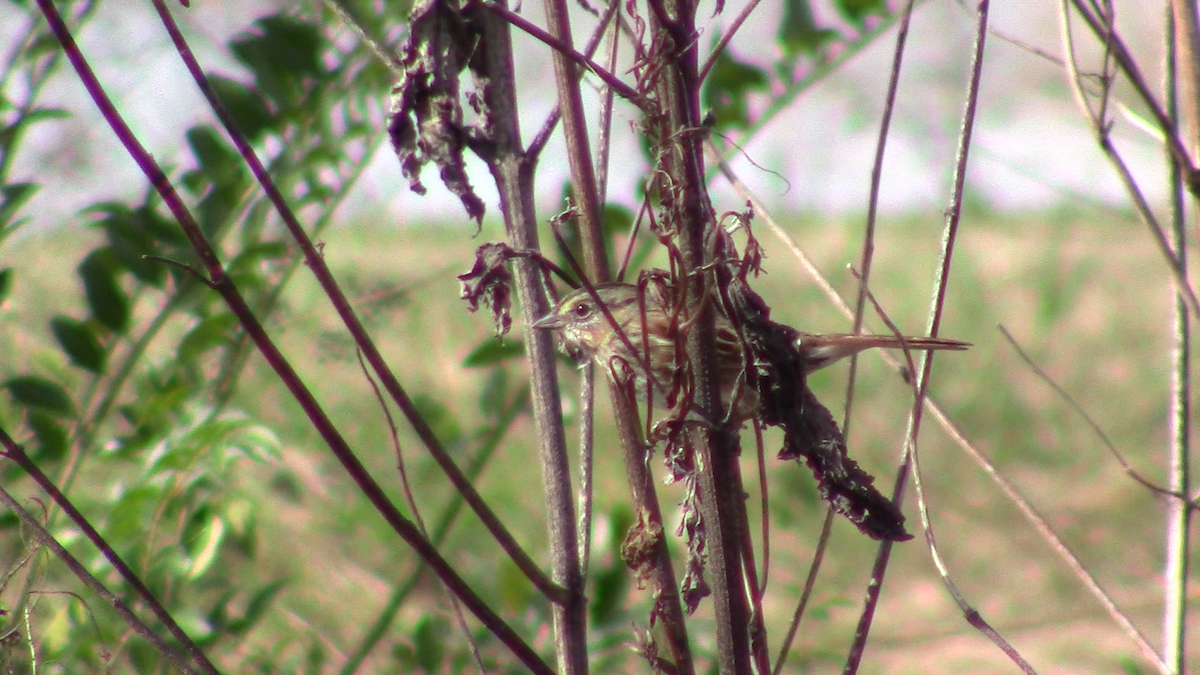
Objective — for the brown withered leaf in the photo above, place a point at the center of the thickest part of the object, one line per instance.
(640, 547)
(810, 432)
(693, 588)
(490, 282)
(645, 646)
(425, 122)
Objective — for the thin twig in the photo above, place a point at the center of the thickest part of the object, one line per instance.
(620, 88)
(810, 582)
(868, 245)
(1070, 401)
(587, 437)
(513, 174)
(459, 620)
(488, 444)
(747, 10)
(783, 101)
(956, 434)
(534, 150)
(941, 283)
(604, 140)
(679, 178)
(1101, 126)
(972, 615)
(377, 46)
(1182, 42)
(1129, 66)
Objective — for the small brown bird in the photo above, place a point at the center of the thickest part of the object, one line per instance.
(810, 432)
(586, 333)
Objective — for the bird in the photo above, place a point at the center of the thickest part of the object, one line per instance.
(765, 379)
(586, 333)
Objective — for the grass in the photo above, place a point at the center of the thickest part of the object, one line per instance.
(1087, 297)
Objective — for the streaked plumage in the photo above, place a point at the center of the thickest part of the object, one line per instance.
(586, 333)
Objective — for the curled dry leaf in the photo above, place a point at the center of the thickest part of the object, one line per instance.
(810, 432)
(693, 588)
(490, 282)
(639, 548)
(426, 119)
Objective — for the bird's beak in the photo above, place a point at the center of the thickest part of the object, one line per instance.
(550, 322)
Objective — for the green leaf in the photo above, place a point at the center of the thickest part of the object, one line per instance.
(220, 164)
(493, 396)
(609, 588)
(217, 209)
(79, 342)
(44, 43)
(281, 51)
(256, 442)
(144, 658)
(429, 643)
(857, 11)
(618, 221)
(798, 31)
(6, 277)
(212, 332)
(492, 351)
(127, 516)
(726, 89)
(39, 114)
(315, 657)
(439, 418)
(256, 607)
(12, 197)
(51, 437)
(134, 234)
(107, 302)
(247, 266)
(202, 538)
(249, 110)
(218, 616)
(40, 393)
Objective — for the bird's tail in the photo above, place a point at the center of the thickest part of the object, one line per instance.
(823, 350)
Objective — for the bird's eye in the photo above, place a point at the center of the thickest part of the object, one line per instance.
(581, 310)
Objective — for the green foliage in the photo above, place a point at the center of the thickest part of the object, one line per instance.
(799, 32)
(40, 394)
(728, 87)
(79, 342)
(6, 278)
(12, 197)
(492, 351)
(856, 11)
(249, 111)
(107, 301)
(161, 453)
(428, 641)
